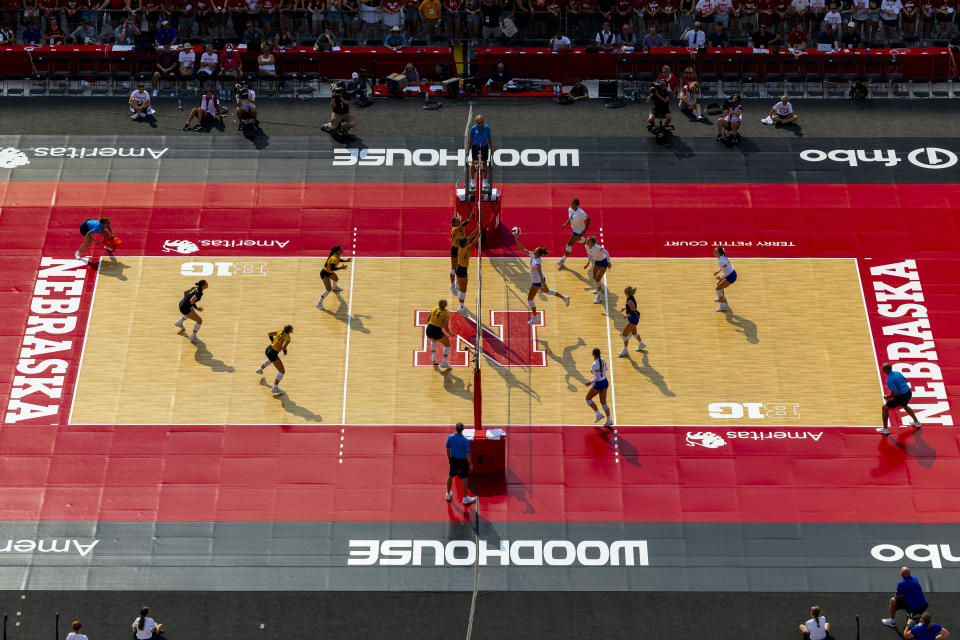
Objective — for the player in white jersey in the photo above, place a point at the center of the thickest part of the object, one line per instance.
(537, 281)
(725, 274)
(598, 387)
(578, 221)
(597, 255)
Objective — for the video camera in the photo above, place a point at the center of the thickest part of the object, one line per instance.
(337, 88)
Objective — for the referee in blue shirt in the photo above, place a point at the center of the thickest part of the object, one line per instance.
(481, 145)
(899, 396)
(458, 455)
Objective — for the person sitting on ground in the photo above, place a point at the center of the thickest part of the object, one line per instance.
(827, 36)
(730, 118)
(411, 74)
(357, 87)
(246, 106)
(909, 597)
(781, 113)
(578, 91)
(84, 34)
(77, 633)
(606, 39)
(326, 40)
(926, 630)
(230, 63)
(690, 100)
(671, 81)
(145, 627)
(859, 90)
(718, 38)
(559, 42)
(851, 37)
(206, 114)
(140, 104)
(817, 627)
(395, 40)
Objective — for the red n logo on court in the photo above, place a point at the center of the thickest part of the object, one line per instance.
(516, 346)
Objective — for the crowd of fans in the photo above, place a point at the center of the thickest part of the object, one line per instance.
(603, 24)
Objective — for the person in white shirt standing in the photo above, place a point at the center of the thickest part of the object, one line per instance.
(145, 627)
(560, 42)
(725, 274)
(578, 220)
(600, 259)
(781, 113)
(890, 16)
(206, 114)
(833, 17)
(75, 634)
(140, 104)
(538, 282)
(598, 387)
(817, 627)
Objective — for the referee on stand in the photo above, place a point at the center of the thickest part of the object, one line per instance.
(458, 455)
(481, 145)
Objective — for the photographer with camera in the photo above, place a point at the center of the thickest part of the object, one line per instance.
(340, 119)
(659, 98)
(730, 120)
(246, 106)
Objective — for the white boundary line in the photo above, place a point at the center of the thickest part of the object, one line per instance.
(83, 349)
(740, 426)
(866, 314)
(346, 363)
(610, 356)
(193, 257)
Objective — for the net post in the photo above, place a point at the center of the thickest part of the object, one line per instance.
(477, 387)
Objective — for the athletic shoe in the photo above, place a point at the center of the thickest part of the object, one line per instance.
(534, 320)
(453, 289)
(178, 323)
(444, 364)
(599, 417)
(276, 389)
(469, 500)
(449, 496)
(154, 94)
(889, 622)
(917, 426)
(336, 288)
(239, 126)
(320, 306)
(150, 111)
(76, 254)
(198, 127)
(134, 116)
(186, 127)
(325, 127)
(259, 370)
(716, 299)
(433, 361)
(624, 352)
(884, 431)
(597, 300)
(463, 311)
(719, 137)
(194, 338)
(560, 262)
(566, 300)
(608, 423)
(722, 307)
(641, 346)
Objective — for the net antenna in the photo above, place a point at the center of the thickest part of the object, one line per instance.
(477, 390)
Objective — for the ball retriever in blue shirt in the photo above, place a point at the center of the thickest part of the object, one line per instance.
(909, 597)
(458, 455)
(899, 396)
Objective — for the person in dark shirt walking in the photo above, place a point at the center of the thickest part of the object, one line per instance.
(458, 455)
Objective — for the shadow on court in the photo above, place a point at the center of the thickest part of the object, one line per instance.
(572, 377)
(292, 407)
(628, 452)
(455, 385)
(515, 383)
(580, 274)
(113, 268)
(203, 356)
(747, 327)
(342, 314)
(647, 371)
(902, 444)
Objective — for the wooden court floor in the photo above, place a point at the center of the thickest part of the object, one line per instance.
(796, 337)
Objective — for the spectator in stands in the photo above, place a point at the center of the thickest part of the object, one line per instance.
(186, 17)
(926, 630)
(781, 113)
(284, 40)
(623, 11)
(670, 81)
(268, 16)
(165, 34)
(370, 20)
(474, 19)
(350, 15)
(253, 35)
(357, 87)
(851, 37)
(206, 114)
(719, 37)
(76, 634)
(126, 33)
(944, 13)
(318, 11)
(6, 35)
(578, 91)
(818, 9)
(890, 16)
(908, 17)
(452, 12)
(722, 13)
(800, 14)
(84, 34)
(146, 627)
(695, 37)
(690, 100)
(412, 75)
(763, 38)
(689, 75)
(559, 42)
(187, 64)
(230, 63)
(748, 16)
(209, 63)
(827, 36)
(834, 18)
(765, 14)
(653, 40)
(797, 39)
(817, 627)
(439, 73)
(491, 20)
(204, 17)
(166, 67)
(606, 39)
(500, 75)
(626, 38)
(704, 10)
(55, 35)
(909, 597)
(861, 12)
(32, 35)
(391, 14)
(267, 64)
(139, 102)
(327, 39)
(395, 40)
(781, 13)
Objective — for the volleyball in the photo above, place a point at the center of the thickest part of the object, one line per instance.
(515, 231)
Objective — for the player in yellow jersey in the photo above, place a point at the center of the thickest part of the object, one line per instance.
(464, 247)
(279, 340)
(458, 231)
(329, 272)
(437, 329)
(189, 307)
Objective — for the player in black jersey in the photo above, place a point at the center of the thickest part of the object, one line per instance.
(189, 307)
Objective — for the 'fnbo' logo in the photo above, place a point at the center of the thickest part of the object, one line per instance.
(11, 158)
(180, 246)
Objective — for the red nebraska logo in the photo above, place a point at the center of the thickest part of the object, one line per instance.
(515, 346)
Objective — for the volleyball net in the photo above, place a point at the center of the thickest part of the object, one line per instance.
(478, 354)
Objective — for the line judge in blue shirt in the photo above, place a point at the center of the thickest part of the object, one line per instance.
(909, 597)
(481, 145)
(926, 630)
(458, 455)
(899, 396)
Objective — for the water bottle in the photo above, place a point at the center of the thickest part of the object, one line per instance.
(179, 104)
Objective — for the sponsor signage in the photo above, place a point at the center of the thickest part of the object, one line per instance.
(924, 157)
(526, 553)
(455, 157)
(11, 157)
